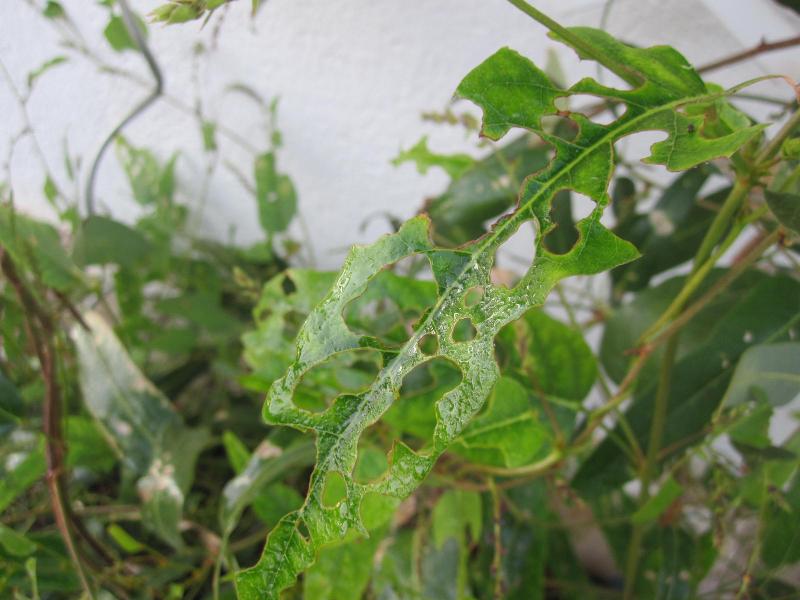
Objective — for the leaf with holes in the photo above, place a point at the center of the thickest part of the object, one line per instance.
(512, 92)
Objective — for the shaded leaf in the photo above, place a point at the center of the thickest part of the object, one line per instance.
(141, 426)
(770, 371)
(786, 208)
(651, 510)
(101, 240)
(769, 312)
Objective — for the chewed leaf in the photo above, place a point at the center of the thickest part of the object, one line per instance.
(512, 92)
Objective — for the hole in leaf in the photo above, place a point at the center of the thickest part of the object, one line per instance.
(637, 145)
(473, 296)
(589, 105)
(349, 372)
(413, 414)
(563, 235)
(334, 490)
(376, 509)
(292, 321)
(389, 306)
(464, 330)
(429, 344)
(514, 256)
(373, 459)
(302, 529)
(288, 286)
(563, 127)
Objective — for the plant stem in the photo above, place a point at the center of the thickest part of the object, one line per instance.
(761, 48)
(40, 336)
(773, 147)
(579, 44)
(648, 468)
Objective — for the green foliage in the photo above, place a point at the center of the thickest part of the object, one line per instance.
(500, 86)
(438, 425)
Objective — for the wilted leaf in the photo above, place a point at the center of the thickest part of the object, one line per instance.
(143, 429)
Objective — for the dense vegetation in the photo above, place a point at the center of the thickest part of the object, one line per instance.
(436, 424)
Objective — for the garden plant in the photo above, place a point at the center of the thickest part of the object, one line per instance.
(614, 416)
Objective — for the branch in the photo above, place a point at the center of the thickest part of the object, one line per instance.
(51, 411)
(761, 48)
(133, 29)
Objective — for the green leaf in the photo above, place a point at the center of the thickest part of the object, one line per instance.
(651, 510)
(770, 371)
(36, 246)
(768, 313)
(342, 571)
(752, 429)
(275, 193)
(87, 446)
(780, 531)
(537, 347)
(453, 164)
(15, 543)
(209, 131)
(116, 32)
(627, 323)
(144, 173)
(140, 425)
(512, 92)
(24, 472)
(53, 10)
(102, 240)
(669, 233)
(456, 512)
(786, 208)
(510, 433)
(124, 539)
(236, 451)
(267, 463)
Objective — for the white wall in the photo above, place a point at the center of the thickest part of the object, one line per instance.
(353, 78)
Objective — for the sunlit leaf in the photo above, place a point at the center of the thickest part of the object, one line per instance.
(512, 92)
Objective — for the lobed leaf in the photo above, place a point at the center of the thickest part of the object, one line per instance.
(512, 92)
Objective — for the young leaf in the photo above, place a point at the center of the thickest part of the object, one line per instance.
(453, 164)
(275, 193)
(140, 424)
(512, 92)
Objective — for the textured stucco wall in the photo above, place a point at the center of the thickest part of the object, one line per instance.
(353, 78)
